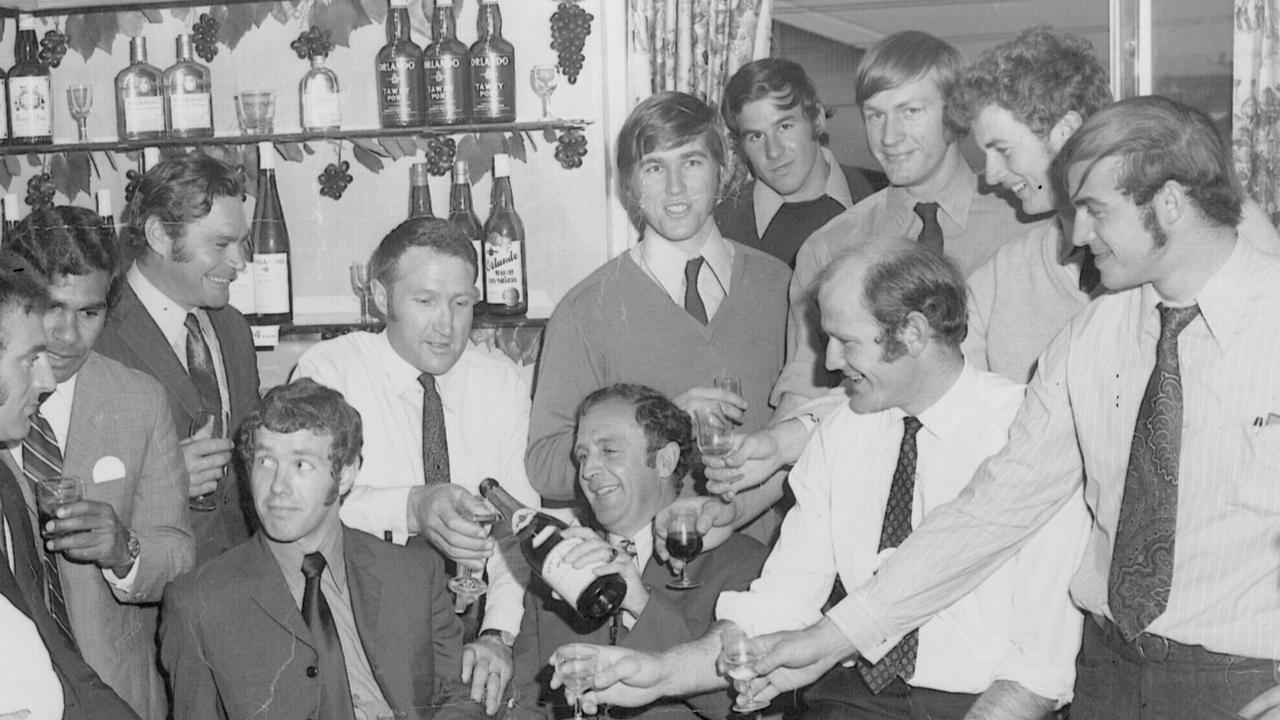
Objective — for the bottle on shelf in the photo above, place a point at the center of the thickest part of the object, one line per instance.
(319, 97)
(544, 547)
(4, 103)
(506, 286)
(462, 214)
(188, 95)
(30, 94)
(12, 216)
(140, 96)
(399, 65)
(419, 191)
(272, 283)
(150, 159)
(447, 70)
(102, 201)
(493, 69)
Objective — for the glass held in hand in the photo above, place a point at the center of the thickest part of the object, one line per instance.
(467, 586)
(577, 664)
(53, 493)
(738, 657)
(684, 542)
(363, 289)
(713, 432)
(79, 103)
(544, 79)
(203, 426)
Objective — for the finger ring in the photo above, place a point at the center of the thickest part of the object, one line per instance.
(613, 554)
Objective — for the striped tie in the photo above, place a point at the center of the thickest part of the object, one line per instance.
(41, 460)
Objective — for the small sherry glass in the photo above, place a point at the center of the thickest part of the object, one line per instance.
(738, 657)
(79, 103)
(684, 542)
(544, 79)
(713, 432)
(577, 665)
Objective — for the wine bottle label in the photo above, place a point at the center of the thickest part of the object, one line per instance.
(241, 290)
(446, 89)
(521, 518)
(320, 109)
(191, 111)
(271, 283)
(400, 92)
(29, 106)
(503, 271)
(562, 576)
(143, 114)
(493, 87)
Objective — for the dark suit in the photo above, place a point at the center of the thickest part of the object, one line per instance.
(132, 337)
(235, 645)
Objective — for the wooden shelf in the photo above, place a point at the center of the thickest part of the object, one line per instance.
(328, 326)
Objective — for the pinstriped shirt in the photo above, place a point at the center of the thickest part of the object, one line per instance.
(1079, 414)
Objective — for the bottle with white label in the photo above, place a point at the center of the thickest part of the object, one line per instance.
(188, 95)
(140, 96)
(30, 96)
(318, 96)
(544, 547)
(506, 287)
(272, 284)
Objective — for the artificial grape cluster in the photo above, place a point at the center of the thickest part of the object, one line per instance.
(335, 179)
(570, 26)
(312, 43)
(440, 154)
(53, 47)
(205, 37)
(133, 176)
(571, 147)
(40, 191)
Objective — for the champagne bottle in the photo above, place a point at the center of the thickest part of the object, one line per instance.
(493, 69)
(505, 284)
(272, 285)
(188, 95)
(544, 547)
(399, 64)
(30, 96)
(140, 96)
(419, 191)
(464, 216)
(447, 70)
(318, 96)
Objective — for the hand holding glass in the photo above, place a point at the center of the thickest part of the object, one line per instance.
(684, 542)
(203, 419)
(467, 586)
(738, 658)
(577, 664)
(544, 79)
(53, 493)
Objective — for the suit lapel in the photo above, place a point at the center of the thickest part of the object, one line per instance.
(267, 587)
(138, 330)
(366, 591)
(86, 410)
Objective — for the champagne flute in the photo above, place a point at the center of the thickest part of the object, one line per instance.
(80, 102)
(577, 666)
(467, 585)
(360, 285)
(203, 419)
(684, 542)
(738, 657)
(544, 79)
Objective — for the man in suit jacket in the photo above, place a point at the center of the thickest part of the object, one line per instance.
(186, 232)
(310, 619)
(107, 425)
(24, 376)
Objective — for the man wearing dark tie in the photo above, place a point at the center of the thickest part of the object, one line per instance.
(75, 691)
(310, 619)
(185, 235)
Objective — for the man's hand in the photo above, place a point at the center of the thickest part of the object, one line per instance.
(206, 459)
(594, 550)
(624, 677)
(715, 522)
(1264, 707)
(730, 405)
(753, 460)
(486, 664)
(440, 513)
(96, 534)
(797, 658)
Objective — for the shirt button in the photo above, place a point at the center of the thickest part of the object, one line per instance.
(312, 671)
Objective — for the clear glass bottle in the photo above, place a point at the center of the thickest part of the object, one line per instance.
(506, 286)
(493, 69)
(30, 94)
(319, 97)
(399, 65)
(188, 95)
(140, 96)
(463, 214)
(447, 70)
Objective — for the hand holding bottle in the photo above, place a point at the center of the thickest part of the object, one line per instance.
(596, 553)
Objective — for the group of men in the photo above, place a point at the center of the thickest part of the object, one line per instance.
(960, 545)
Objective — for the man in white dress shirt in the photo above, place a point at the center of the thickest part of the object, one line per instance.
(918, 423)
(439, 417)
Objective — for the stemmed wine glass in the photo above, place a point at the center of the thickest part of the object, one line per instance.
(684, 542)
(364, 291)
(80, 102)
(203, 419)
(577, 666)
(544, 79)
(467, 586)
(738, 657)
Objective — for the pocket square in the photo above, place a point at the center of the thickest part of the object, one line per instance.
(108, 468)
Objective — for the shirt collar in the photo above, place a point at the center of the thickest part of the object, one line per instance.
(767, 201)
(954, 199)
(290, 555)
(1220, 300)
(666, 262)
(168, 315)
(948, 414)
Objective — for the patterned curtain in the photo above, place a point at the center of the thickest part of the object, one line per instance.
(1256, 101)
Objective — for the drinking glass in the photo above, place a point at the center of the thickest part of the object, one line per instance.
(738, 657)
(684, 542)
(256, 110)
(53, 493)
(363, 290)
(544, 79)
(577, 665)
(79, 103)
(203, 419)
(713, 432)
(728, 383)
(467, 586)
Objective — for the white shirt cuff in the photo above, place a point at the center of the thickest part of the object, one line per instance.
(123, 585)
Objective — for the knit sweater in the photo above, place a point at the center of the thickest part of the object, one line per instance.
(618, 325)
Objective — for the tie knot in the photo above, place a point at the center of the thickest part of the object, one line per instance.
(428, 382)
(928, 212)
(691, 270)
(192, 323)
(911, 426)
(1173, 320)
(312, 565)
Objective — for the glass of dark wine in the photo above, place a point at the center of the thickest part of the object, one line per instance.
(577, 664)
(684, 542)
(53, 493)
(467, 585)
(204, 425)
(738, 657)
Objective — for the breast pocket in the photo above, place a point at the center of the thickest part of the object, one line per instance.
(1260, 488)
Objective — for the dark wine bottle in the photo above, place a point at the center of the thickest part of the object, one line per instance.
(493, 69)
(399, 65)
(272, 284)
(447, 70)
(544, 547)
(30, 94)
(419, 191)
(140, 96)
(462, 214)
(506, 286)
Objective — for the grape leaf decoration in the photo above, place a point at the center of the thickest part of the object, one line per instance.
(204, 35)
(131, 187)
(335, 179)
(571, 147)
(53, 47)
(40, 189)
(440, 155)
(312, 43)
(570, 26)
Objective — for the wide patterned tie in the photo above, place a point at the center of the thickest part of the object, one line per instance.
(1142, 559)
(692, 299)
(335, 689)
(203, 373)
(901, 660)
(42, 460)
(931, 232)
(435, 444)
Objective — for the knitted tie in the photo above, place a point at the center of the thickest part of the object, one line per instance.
(901, 660)
(335, 691)
(692, 300)
(931, 233)
(435, 445)
(42, 460)
(202, 371)
(1142, 560)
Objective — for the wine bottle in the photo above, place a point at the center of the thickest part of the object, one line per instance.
(272, 284)
(30, 96)
(102, 201)
(318, 97)
(419, 191)
(399, 64)
(493, 69)
(188, 95)
(140, 96)
(12, 216)
(544, 547)
(462, 214)
(447, 70)
(506, 287)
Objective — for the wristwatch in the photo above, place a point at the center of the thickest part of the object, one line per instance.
(135, 549)
(503, 636)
